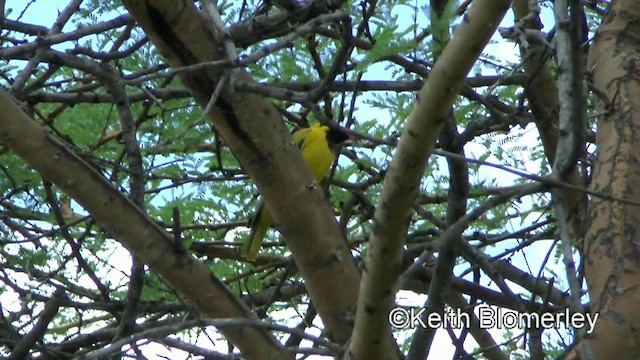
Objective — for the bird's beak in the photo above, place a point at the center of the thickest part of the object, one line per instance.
(350, 141)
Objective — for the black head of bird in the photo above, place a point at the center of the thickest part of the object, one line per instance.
(337, 136)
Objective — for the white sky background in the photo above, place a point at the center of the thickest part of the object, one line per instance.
(44, 12)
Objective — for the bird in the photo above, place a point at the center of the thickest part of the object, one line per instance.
(318, 144)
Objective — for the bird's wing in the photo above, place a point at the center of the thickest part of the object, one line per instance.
(300, 135)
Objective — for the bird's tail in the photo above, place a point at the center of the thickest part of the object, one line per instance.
(260, 223)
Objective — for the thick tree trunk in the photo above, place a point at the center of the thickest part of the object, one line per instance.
(613, 239)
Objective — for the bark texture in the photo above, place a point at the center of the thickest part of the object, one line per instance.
(612, 252)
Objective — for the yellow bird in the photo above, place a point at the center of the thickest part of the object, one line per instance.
(318, 145)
